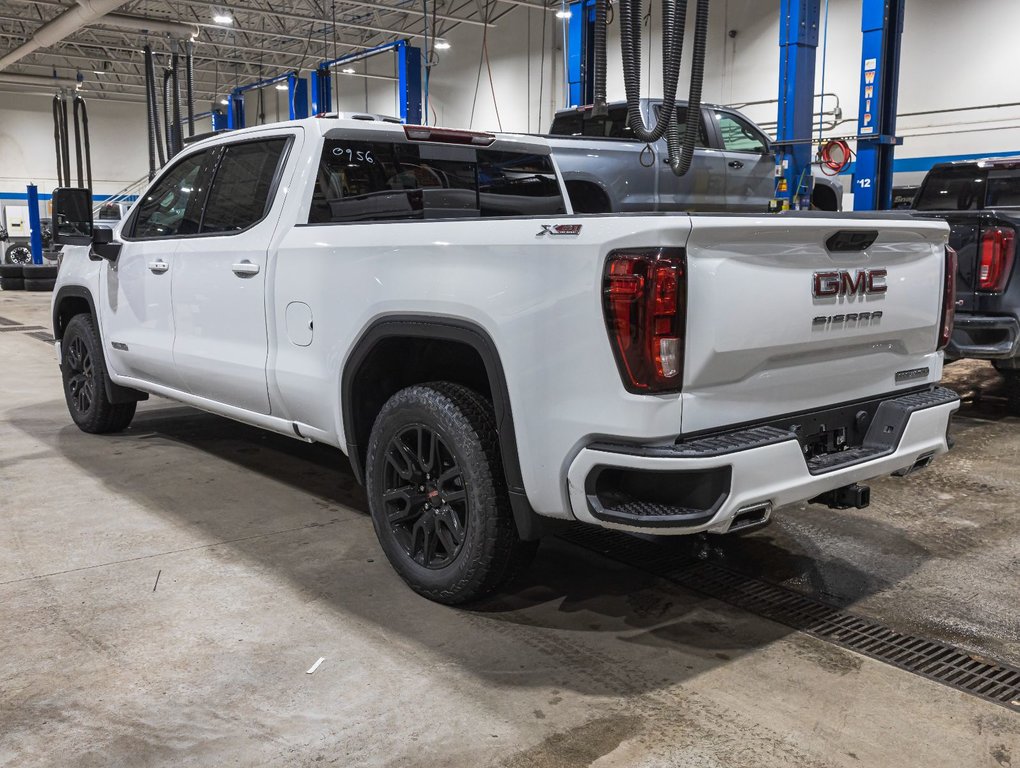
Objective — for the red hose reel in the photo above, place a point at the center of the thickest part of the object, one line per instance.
(835, 156)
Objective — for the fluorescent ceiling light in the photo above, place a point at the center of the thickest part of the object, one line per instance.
(222, 18)
(281, 86)
(563, 13)
(441, 44)
(224, 102)
(348, 70)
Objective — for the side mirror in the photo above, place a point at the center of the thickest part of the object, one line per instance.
(103, 244)
(72, 216)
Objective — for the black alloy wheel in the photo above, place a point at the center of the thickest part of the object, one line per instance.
(424, 496)
(83, 370)
(81, 379)
(438, 496)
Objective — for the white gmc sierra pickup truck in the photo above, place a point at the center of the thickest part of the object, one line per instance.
(424, 300)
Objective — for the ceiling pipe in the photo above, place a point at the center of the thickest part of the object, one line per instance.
(38, 80)
(52, 32)
(142, 24)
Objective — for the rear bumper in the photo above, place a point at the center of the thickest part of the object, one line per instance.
(703, 484)
(986, 337)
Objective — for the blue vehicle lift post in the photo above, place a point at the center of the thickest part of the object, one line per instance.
(297, 99)
(798, 43)
(580, 55)
(409, 85)
(34, 224)
(322, 91)
(882, 26)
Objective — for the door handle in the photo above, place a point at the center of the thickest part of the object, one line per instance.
(158, 267)
(245, 268)
(736, 164)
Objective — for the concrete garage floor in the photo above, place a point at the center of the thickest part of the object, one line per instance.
(266, 561)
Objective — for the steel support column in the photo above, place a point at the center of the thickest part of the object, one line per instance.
(34, 224)
(798, 43)
(882, 28)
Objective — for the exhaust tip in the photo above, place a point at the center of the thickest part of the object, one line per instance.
(751, 517)
(921, 463)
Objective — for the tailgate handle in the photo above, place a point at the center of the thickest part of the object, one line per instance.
(851, 240)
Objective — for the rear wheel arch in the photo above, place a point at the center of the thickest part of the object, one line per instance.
(824, 198)
(588, 197)
(399, 351)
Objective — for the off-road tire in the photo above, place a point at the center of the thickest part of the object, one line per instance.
(11, 271)
(491, 551)
(12, 284)
(95, 413)
(32, 284)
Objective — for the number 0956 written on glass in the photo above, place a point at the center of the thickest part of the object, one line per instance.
(354, 155)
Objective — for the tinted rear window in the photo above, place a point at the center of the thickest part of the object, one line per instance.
(952, 189)
(1003, 188)
(613, 125)
(389, 181)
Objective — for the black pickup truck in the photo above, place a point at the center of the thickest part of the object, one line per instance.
(981, 201)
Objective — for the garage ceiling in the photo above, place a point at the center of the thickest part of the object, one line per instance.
(263, 39)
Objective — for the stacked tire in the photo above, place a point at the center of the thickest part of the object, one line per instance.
(27, 277)
(12, 277)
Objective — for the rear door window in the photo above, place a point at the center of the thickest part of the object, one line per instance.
(390, 181)
(681, 119)
(240, 193)
(952, 189)
(738, 135)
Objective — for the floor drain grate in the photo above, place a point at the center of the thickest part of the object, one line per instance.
(985, 678)
(19, 328)
(42, 336)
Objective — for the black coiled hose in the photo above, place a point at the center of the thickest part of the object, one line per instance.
(65, 140)
(56, 138)
(77, 142)
(87, 141)
(167, 74)
(599, 86)
(156, 140)
(175, 103)
(674, 14)
(681, 153)
(189, 82)
(147, 51)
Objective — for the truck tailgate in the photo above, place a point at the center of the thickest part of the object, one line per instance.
(761, 343)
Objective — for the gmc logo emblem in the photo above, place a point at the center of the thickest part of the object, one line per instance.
(864, 282)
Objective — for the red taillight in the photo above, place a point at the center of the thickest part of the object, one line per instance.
(447, 135)
(643, 298)
(997, 248)
(948, 299)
